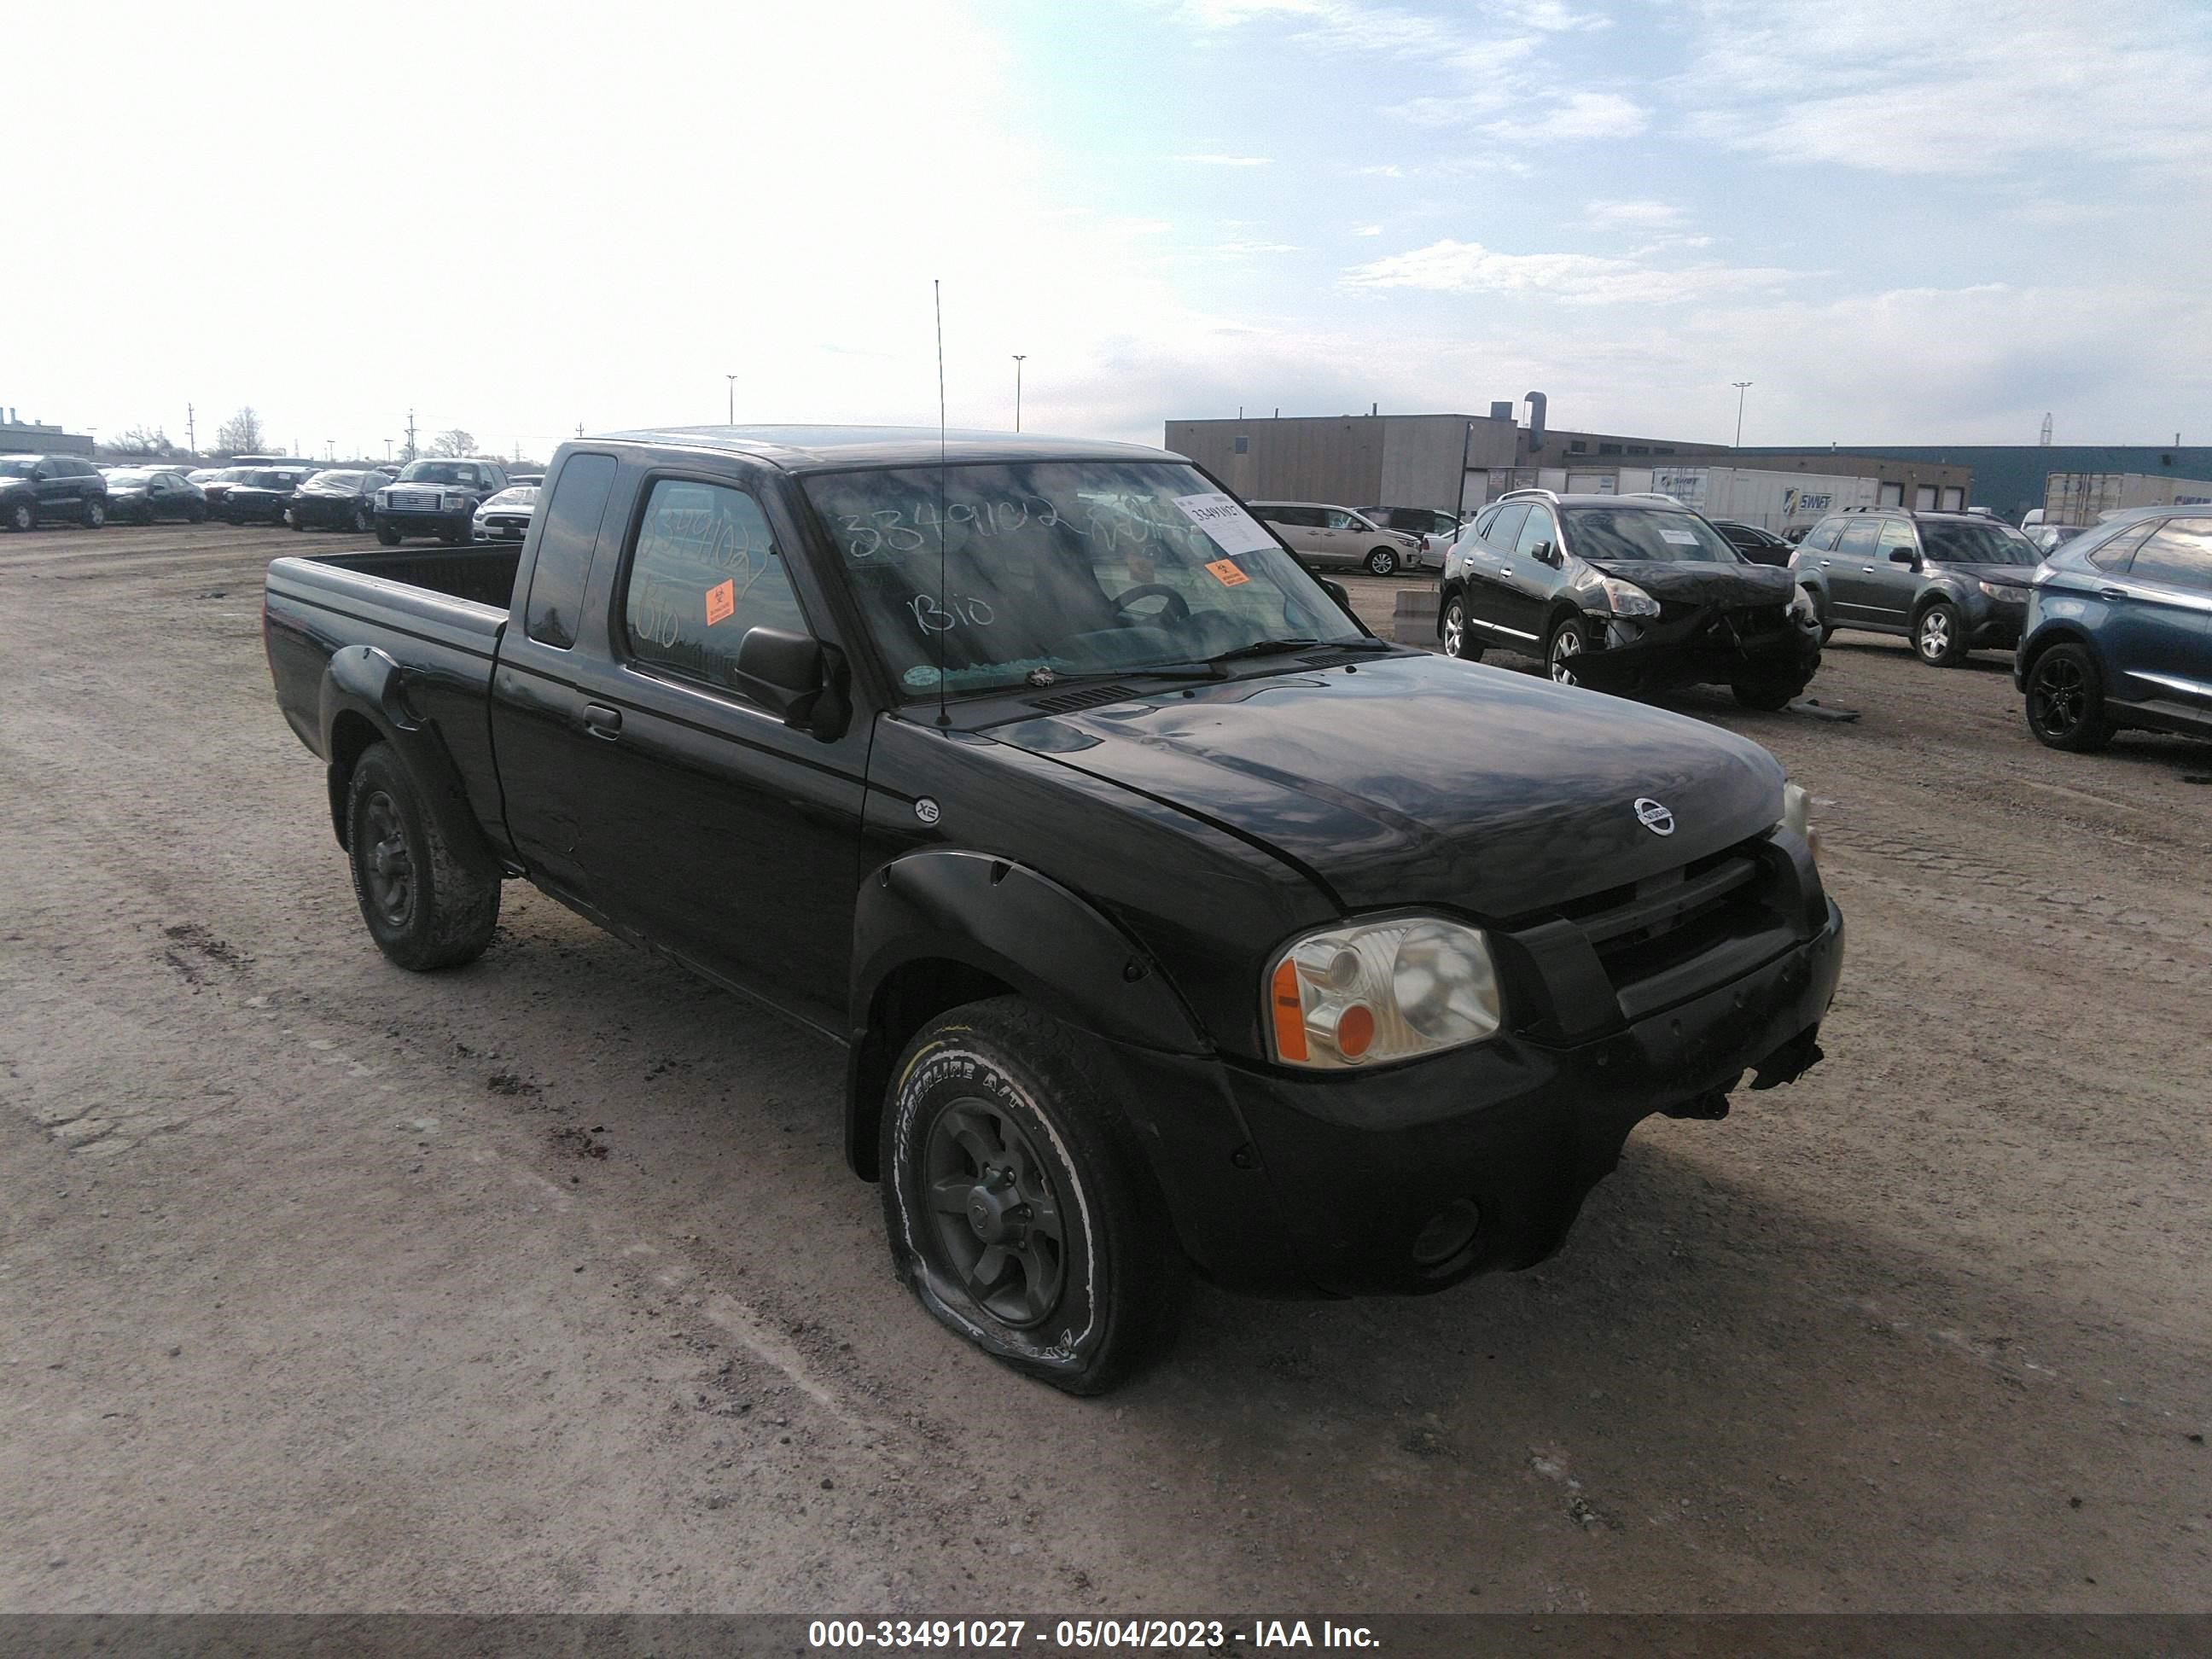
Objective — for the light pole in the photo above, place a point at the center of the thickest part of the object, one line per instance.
(1018, 355)
(732, 380)
(1741, 387)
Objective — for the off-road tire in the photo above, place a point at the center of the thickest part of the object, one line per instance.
(1464, 646)
(1381, 562)
(2066, 701)
(1035, 1086)
(450, 910)
(1939, 639)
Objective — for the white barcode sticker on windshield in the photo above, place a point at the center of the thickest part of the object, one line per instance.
(1680, 537)
(1233, 529)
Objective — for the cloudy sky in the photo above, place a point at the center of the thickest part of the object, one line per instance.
(1925, 221)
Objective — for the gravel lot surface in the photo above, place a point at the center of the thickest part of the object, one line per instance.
(541, 1285)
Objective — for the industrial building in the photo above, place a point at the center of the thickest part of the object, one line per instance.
(34, 438)
(1457, 462)
(2009, 479)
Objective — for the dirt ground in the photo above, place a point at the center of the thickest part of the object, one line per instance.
(541, 1285)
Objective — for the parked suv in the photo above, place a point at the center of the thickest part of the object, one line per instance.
(35, 489)
(1625, 593)
(1950, 582)
(436, 498)
(1321, 534)
(2119, 631)
(1437, 529)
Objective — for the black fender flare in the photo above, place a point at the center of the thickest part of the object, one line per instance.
(362, 683)
(1010, 924)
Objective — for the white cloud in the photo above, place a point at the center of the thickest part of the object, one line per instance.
(1577, 279)
(1367, 230)
(1955, 87)
(1240, 248)
(1225, 161)
(1583, 115)
(1638, 216)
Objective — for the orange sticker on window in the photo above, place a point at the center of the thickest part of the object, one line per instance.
(721, 600)
(1225, 572)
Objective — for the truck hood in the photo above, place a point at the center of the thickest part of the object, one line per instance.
(1691, 582)
(1426, 780)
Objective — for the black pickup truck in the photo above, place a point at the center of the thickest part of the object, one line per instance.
(1166, 919)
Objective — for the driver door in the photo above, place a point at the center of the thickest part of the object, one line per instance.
(1530, 576)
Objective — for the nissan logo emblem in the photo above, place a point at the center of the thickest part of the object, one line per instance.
(1654, 816)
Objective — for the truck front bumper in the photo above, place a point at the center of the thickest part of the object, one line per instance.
(455, 525)
(1412, 1179)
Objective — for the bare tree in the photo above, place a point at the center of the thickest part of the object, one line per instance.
(453, 442)
(137, 440)
(241, 434)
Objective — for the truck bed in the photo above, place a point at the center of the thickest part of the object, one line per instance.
(437, 615)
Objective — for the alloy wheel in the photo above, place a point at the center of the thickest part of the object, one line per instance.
(1566, 645)
(2059, 696)
(1454, 628)
(1935, 635)
(993, 1213)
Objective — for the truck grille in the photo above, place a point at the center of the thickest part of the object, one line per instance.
(1662, 922)
(414, 500)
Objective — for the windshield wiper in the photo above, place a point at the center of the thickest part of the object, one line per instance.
(1268, 647)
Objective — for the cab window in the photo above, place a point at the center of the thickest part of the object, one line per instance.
(705, 571)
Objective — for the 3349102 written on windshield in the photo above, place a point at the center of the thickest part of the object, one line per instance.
(889, 534)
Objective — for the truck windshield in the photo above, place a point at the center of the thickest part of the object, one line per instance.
(17, 469)
(1976, 543)
(1643, 532)
(1059, 569)
(452, 472)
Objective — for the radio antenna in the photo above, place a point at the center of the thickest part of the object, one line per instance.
(944, 598)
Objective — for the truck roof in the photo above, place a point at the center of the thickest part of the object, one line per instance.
(820, 448)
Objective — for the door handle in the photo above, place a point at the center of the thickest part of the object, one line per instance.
(602, 721)
(1827, 564)
(2114, 593)
(1504, 569)
(1868, 568)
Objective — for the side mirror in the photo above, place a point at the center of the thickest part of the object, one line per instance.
(1904, 555)
(1342, 595)
(791, 675)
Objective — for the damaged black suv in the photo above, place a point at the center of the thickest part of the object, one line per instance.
(1625, 593)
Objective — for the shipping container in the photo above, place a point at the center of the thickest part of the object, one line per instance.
(2080, 499)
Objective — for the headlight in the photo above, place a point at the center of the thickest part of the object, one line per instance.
(1627, 599)
(2004, 592)
(1803, 610)
(1797, 816)
(1371, 993)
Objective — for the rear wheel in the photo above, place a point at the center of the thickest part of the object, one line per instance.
(94, 514)
(1382, 562)
(196, 514)
(1938, 638)
(1458, 633)
(1016, 1209)
(1565, 645)
(364, 521)
(2066, 701)
(424, 907)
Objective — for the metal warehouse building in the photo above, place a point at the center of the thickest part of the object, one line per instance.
(1354, 460)
(2008, 479)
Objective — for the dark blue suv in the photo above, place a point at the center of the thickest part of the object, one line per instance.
(2119, 631)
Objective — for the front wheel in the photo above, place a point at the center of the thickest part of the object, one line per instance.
(2066, 701)
(1771, 695)
(1938, 638)
(424, 907)
(1382, 562)
(22, 515)
(1458, 633)
(1016, 1210)
(386, 536)
(1562, 648)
